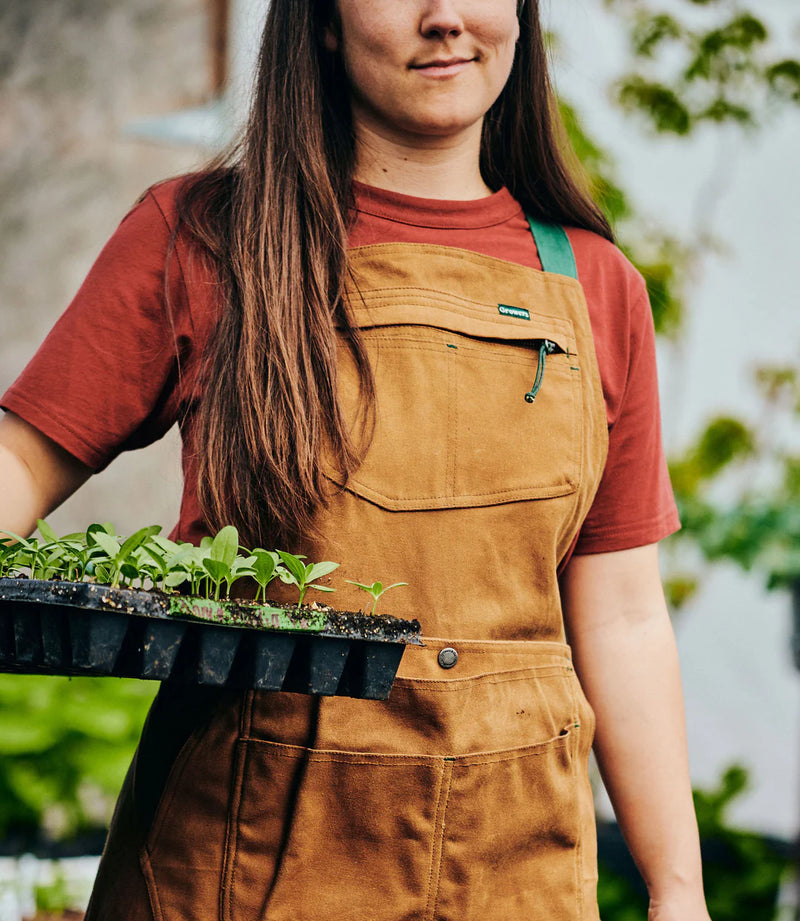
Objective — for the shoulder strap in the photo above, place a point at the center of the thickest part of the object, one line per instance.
(555, 250)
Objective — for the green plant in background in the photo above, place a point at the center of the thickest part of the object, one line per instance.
(742, 871)
(692, 71)
(701, 66)
(375, 590)
(618, 898)
(759, 465)
(64, 749)
(54, 896)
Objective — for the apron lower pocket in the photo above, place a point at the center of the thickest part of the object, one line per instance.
(357, 836)
(182, 856)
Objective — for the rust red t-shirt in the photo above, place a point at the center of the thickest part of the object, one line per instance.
(109, 378)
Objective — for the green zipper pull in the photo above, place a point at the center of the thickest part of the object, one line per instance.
(546, 348)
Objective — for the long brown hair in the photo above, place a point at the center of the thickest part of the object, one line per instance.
(272, 214)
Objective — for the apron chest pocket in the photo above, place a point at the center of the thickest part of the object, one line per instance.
(466, 420)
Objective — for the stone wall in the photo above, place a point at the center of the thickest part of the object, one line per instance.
(73, 75)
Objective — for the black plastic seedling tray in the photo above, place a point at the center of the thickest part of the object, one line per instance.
(80, 628)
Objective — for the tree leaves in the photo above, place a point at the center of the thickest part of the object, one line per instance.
(720, 68)
(760, 528)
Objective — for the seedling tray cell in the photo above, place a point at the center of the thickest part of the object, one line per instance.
(80, 628)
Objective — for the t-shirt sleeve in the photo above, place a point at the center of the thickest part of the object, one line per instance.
(105, 379)
(634, 504)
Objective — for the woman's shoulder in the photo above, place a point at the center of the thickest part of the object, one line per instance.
(157, 207)
(615, 290)
(601, 262)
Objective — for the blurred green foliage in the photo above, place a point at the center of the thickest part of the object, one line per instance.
(702, 64)
(712, 62)
(742, 871)
(53, 897)
(757, 462)
(64, 748)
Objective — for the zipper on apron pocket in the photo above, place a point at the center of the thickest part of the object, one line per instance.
(546, 347)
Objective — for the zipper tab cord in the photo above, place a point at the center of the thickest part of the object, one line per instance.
(546, 348)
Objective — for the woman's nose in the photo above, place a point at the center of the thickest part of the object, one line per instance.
(441, 19)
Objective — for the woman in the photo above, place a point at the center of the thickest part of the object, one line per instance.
(375, 357)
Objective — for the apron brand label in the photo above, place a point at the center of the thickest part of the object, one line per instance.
(519, 312)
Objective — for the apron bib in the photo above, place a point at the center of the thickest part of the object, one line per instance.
(465, 796)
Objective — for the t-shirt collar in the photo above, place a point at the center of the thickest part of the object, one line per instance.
(433, 212)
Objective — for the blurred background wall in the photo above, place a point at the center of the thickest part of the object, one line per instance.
(75, 76)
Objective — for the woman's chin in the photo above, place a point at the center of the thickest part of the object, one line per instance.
(441, 127)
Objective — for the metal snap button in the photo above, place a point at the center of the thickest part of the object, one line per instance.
(448, 657)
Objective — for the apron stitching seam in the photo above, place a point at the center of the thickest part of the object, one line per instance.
(564, 489)
(466, 308)
(150, 884)
(453, 427)
(573, 750)
(231, 857)
(537, 648)
(498, 266)
(246, 714)
(390, 760)
(578, 496)
(460, 684)
(513, 754)
(438, 842)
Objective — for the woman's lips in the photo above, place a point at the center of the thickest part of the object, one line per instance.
(443, 68)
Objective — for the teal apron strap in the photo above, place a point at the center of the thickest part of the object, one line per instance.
(555, 250)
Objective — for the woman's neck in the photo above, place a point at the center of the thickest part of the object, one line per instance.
(430, 167)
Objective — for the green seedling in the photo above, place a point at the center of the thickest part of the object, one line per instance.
(303, 575)
(9, 550)
(221, 559)
(75, 554)
(22, 553)
(148, 558)
(119, 563)
(375, 590)
(265, 569)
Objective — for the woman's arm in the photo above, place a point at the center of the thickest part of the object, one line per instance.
(625, 655)
(36, 475)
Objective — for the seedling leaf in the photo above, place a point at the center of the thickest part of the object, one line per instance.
(46, 531)
(107, 542)
(225, 545)
(135, 540)
(318, 570)
(294, 567)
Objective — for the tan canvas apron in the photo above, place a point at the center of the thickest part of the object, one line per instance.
(464, 797)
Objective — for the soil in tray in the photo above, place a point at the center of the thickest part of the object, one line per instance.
(74, 628)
